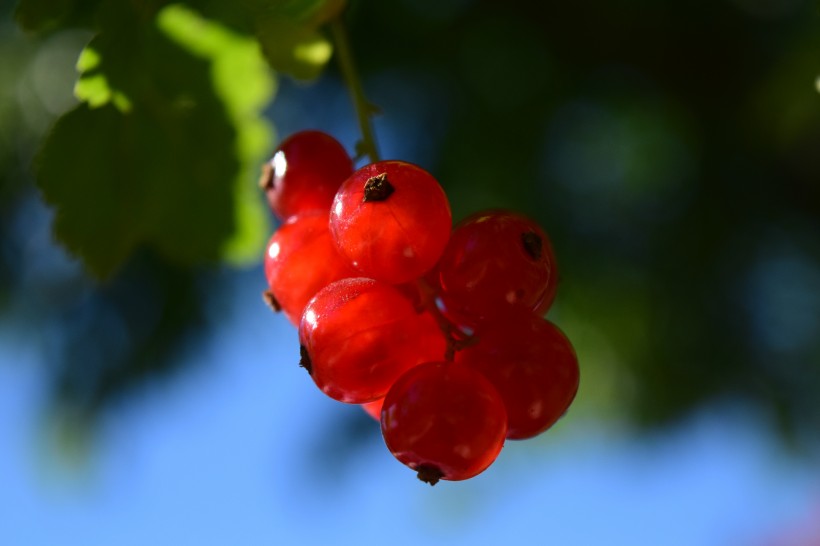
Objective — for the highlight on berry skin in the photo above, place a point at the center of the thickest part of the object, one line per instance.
(301, 260)
(304, 173)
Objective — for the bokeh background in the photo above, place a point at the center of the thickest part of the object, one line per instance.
(672, 152)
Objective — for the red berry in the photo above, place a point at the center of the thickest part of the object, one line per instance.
(532, 365)
(493, 261)
(392, 220)
(445, 421)
(301, 260)
(552, 284)
(374, 408)
(359, 335)
(304, 173)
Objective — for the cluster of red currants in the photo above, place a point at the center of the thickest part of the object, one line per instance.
(437, 331)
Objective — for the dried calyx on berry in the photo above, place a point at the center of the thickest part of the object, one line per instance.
(377, 188)
(304, 360)
(271, 301)
(429, 473)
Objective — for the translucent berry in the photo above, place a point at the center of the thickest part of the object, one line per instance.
(532, 365)
(445, 421)
(493, 261)
(374, 408)
(304, 173)
(359, 335)
(301, 260)
(392, 220)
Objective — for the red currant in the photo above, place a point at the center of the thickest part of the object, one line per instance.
(301, 260)
(532, 365)
(374, 408)
(445, 421)
(392, 220)
(383, 289)
(495, 260)
(359, 335)
(304, 173)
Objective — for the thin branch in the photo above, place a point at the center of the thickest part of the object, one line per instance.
(363, 108)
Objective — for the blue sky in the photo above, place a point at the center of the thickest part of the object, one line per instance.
(231, 452)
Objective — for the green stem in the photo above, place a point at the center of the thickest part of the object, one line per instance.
(351, 76)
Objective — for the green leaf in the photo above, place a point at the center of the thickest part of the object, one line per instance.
(243, 81)
(93, 86)
(80, 173)
(289, 32)
(307, 12)
(164, 151)
(293, 48)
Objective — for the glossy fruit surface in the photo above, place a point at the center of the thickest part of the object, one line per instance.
(301, 260)
(552, 284)
(437, 333)
(445, 421)
(392, 220)
(304, 173)
(374, 408)
(495, 260)
(359, 335)
(532, 365)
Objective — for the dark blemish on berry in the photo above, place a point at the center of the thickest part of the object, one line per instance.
(377, 188)
(533, 244)
(304, 360)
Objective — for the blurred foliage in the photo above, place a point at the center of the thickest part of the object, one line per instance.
(669, 148)
(150, 179)
(672, 156)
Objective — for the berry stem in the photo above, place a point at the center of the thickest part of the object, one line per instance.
(363, 108)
